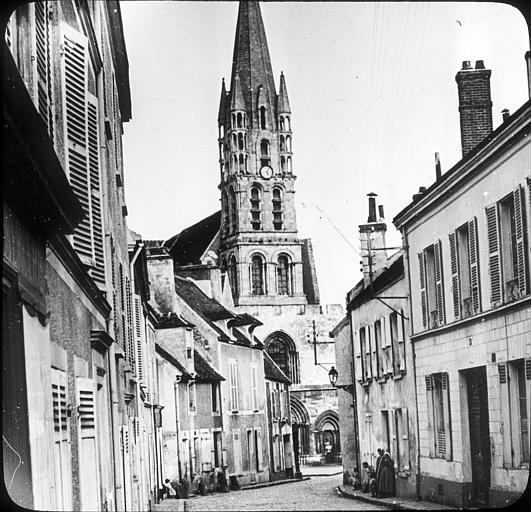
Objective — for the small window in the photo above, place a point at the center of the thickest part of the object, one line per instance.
(233, 273)
(233, 211)
(263, 124)
(215, 397)
(192, 398)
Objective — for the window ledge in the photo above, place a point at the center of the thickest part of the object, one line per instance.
(479, 316)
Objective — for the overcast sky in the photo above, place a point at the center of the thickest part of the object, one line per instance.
(373, 96)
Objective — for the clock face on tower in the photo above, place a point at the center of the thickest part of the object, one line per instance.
(266, 172)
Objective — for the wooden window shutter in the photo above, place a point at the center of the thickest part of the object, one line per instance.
(505, 414)
(360, 357)
(88, 446)
(528, 369)
(369, 352)
(131, 349)
(473, 252)
(75, 122)
(139, 340)
(405, 439)
(494, 254)
(259, 449)
(447, 418)
(61, 439)
(423, 295)
(521, 239)
(454, 266)
(98, 271)
(43, 65)
(401, 342)
(430, 415)
(439, 287)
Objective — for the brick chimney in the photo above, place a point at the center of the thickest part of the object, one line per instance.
(372, 234)
(475, 105)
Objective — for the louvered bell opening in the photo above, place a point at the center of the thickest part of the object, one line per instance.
(428, 382)
(528, 369)
(86, 409)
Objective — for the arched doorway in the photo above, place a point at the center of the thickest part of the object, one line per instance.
(327, 441)
(300, 425)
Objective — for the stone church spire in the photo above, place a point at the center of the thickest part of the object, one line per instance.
(251, 61)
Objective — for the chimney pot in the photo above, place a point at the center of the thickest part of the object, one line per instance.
(466, 64)
(437, 166)
(480, 64)
(381, 211)
(372, 207)
(505, 114)
(422, 190)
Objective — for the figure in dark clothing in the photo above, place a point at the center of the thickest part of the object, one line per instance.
(365, 478)
(378, 460)
(386, 477)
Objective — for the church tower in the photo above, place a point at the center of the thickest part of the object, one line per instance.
(259, 244)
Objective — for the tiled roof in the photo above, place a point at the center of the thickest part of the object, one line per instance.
(171, 359)
(272, 371)
(187, 247)
(199, 301)
(204, 372)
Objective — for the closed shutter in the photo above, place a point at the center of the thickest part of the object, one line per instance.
(206, 451)
(454, 266)
(494, 254)
(473, 253)
(401, 341)
(360, 356)
(259, 454)
(89, 477)
(139, 339)
(237, 452)
(520, 231)
(126, 466)
(439, 288)
(369, 355)
(423, 296)
(61, 442)
(447, 419)
(254, 389)
(405, 440)
(430, 415)
(98, 272)
(505, 427)
(43, 64)
(130, 325)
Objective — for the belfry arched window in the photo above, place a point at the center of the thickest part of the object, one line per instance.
(256, 208)
(240, 141)
(277, 209)
(233, 276)
(288, 143)
(257, 275)
(265, 158)
(283, 163)
(224, 212)
(239, 120)
(233, 210)
(233, 121)
(282, 143)
(242, 163)
(284, 286)
(282, 123)
(263, 124)
(283, 351)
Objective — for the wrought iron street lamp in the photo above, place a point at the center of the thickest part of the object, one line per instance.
(332, 375)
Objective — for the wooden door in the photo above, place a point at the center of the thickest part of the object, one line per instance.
(478, 417)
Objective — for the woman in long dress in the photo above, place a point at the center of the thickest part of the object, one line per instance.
(386, 474)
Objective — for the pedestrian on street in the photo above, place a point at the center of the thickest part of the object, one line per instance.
(386, 480)
(365, 478)
(169, 490)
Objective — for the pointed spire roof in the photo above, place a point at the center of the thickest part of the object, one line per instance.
(283, 102)
(223, 96)
(237, 100)
(251, 59)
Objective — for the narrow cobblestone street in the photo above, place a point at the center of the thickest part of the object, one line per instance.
(318, 493)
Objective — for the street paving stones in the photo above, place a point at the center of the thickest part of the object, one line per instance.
(318, 493)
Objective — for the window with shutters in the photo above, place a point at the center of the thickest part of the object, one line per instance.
(365, 351)
(465, 270)
(439, 426)
(139, 338)
(431, 284)
(233, 383)
(515, 389)
(402, 439)
(378, 347)
(82, 150)
(396, 331)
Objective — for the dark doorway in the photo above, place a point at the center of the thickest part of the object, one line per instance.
(478, 418)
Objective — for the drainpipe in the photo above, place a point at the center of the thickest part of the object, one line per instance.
(176, 395)
(354, 395)
(406, 257)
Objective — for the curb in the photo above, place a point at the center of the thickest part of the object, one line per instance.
(325, 474)
(270, 484)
